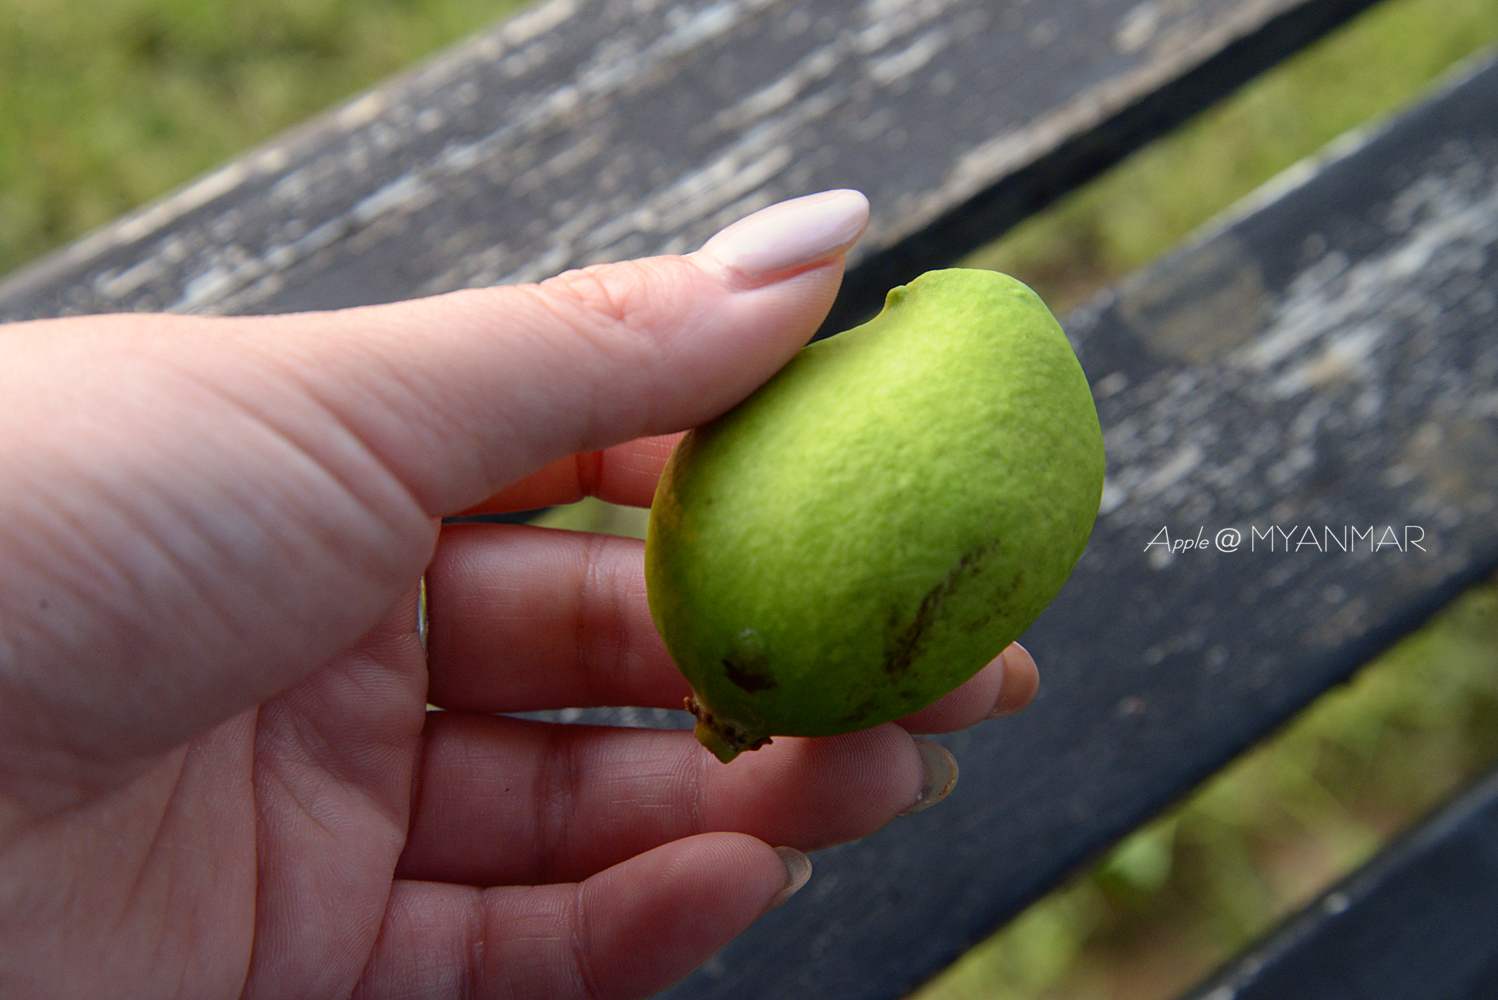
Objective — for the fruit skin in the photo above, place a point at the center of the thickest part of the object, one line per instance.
(880, 519)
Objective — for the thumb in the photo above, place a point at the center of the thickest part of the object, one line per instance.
(197, 512)
(463, 394)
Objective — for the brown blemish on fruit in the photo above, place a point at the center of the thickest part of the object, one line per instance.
(748, 674)
(1000, 604)
(906, 646)
(744, 663)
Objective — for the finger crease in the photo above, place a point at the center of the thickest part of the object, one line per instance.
(581, 945)
(697, 782)
(418, 767)
(556, 790)
(603, 655)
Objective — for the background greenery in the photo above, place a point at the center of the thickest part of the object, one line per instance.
(106, 104)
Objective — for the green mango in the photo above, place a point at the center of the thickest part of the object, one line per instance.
(880, 519)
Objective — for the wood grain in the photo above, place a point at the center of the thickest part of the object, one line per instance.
(594, 130)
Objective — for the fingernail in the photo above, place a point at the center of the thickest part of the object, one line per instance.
(791, 234)
(797, 871)
(939, 775)
(1001, 706)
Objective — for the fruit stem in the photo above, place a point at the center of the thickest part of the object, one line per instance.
(724, 737)
(710, 738)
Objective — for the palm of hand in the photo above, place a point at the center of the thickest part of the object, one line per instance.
(256, 860)
(339, 841)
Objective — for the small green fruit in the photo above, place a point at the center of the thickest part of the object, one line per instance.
(880, 519)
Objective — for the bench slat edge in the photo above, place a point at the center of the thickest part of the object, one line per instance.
(524, 152)
(1418, 922)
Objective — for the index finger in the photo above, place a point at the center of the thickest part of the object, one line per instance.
(624, 474)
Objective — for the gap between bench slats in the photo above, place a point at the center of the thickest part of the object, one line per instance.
(1418, 922)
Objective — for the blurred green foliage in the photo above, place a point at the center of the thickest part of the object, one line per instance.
(592, 514)
(107, 104)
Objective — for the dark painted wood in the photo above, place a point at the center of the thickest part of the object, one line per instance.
(591, 130)
(1328, 359)
(1419, 922)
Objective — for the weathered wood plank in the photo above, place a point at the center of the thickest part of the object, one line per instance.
(1419, 922)
(1327, 360)
(589, 130)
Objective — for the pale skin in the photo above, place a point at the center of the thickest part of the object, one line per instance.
(218, 773)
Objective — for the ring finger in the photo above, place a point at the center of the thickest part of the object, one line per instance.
(504, 801)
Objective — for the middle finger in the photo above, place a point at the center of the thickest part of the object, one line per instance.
(524, 618)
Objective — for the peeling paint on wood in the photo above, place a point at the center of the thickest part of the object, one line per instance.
(594, 130)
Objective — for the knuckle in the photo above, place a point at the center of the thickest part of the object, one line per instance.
(626, 295)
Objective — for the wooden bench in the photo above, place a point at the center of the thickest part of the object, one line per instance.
(1324, 358)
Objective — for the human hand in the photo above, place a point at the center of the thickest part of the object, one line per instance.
(218, 773)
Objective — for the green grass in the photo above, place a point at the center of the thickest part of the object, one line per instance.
(107, 104)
